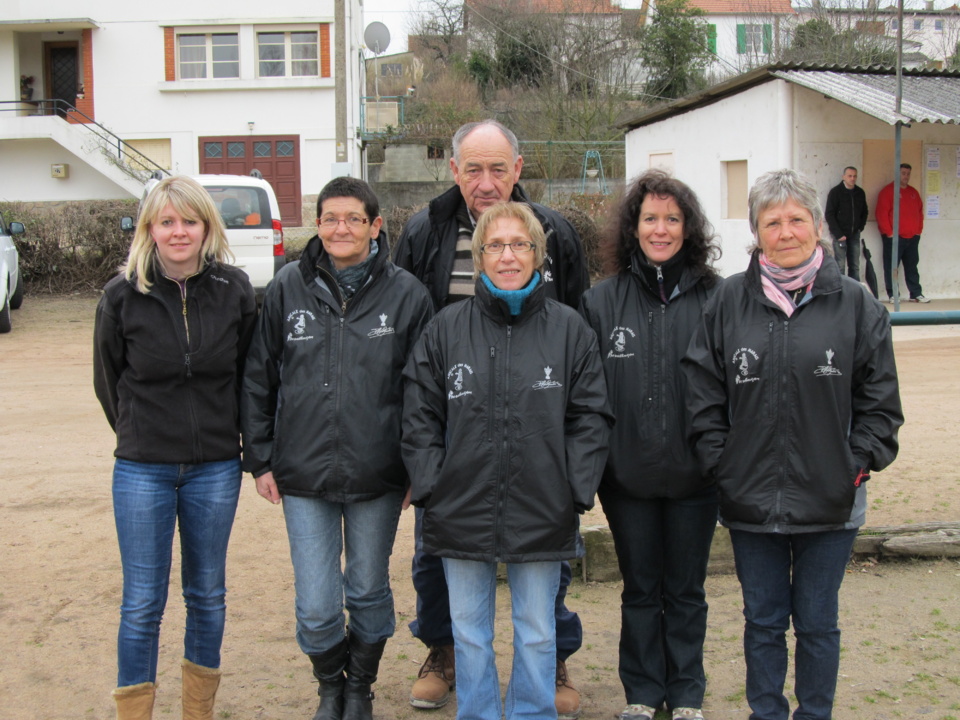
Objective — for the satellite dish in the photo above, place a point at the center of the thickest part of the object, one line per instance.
(377, 37)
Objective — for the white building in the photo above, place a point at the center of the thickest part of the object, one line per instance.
(195, 86)
(745, 33)
(816, 121)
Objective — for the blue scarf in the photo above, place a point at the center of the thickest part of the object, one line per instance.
(513, 298)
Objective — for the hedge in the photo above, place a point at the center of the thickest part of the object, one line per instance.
(70, 247)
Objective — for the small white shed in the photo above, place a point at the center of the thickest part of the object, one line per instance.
(816, 120)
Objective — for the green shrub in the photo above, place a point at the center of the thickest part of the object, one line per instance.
(70, 247)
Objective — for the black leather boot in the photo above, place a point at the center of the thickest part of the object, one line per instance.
(328, 668)
(362, 666)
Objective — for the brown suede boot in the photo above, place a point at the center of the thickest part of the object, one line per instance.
(135, 702)
(436, 679)
(199, 690)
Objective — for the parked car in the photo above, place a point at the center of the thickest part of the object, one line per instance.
(251, 214)
(11, 284)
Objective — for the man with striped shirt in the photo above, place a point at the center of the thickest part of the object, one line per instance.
(436, 247)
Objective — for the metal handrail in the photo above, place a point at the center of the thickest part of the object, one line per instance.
(926, 317)
(56, 106)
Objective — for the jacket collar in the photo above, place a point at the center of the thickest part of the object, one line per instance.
(314, 253)
(828, 278)
(497, 309)
(444, 207)
(687, 278)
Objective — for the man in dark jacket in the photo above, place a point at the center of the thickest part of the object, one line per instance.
(436, 247)
(846, 215)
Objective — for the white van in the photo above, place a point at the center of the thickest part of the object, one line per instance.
(251, 214)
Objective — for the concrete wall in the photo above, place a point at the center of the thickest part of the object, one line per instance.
(25, 175)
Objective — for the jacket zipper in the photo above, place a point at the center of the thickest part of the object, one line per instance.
(781, 404)
(501, 479)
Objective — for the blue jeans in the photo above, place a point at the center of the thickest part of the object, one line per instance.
(473, 606)
(798, 576)
(663, 546)
(149, 500)
(847, 254)
(319, 533)
(432, 624)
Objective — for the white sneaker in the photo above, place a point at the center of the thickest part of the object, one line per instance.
(920, 299)
(686, 713)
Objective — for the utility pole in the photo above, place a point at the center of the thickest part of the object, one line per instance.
(340, 77)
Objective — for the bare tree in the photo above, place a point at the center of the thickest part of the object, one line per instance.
(437, 33)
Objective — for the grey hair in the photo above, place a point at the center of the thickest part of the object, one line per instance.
(460, 135)
(779, 186)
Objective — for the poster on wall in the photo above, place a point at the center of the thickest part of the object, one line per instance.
(933, 207)
(933, 158)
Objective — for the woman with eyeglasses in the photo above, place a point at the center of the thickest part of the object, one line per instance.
(505, 432)
(321, 417)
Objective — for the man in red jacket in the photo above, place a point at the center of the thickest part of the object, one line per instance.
(911, 225)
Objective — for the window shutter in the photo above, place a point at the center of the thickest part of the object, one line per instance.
(767, 39)
(741, 39)
(712, 38)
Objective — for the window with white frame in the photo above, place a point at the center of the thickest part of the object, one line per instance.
(918, 24)
(288, 54)
(938, 25)
(208, 55)
(894, 25)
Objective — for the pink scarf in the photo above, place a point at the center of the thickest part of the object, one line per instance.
(778, 281)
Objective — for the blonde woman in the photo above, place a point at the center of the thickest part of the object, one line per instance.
(171, 333)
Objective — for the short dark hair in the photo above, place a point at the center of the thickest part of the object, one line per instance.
(701, 245)
(346, 186)
(908, 166)
(849, 167)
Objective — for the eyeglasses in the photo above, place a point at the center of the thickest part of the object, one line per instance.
(521, 246)
(354, 222)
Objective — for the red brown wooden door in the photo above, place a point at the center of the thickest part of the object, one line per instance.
(277, 157)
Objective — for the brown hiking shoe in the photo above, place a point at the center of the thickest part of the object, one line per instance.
(568, 697)
(435, 680)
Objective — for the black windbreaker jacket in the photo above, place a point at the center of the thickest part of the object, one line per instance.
(505, 429)
(428, 245)
(642, 340)
(167, 365)
(323, 388)
(784, 411)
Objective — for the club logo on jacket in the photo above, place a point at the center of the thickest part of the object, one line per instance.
(384, 329)
(619, 338)
(546, 274)
(298, 319)
(219, 279)
(829, 368)
(456, 374)
(742, 360)
(546, 383)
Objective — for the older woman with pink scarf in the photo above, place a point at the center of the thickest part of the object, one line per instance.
(794, 401)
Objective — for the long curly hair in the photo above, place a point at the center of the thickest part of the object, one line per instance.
(621, 243)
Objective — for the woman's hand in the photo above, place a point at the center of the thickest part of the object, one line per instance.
(267, 488)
